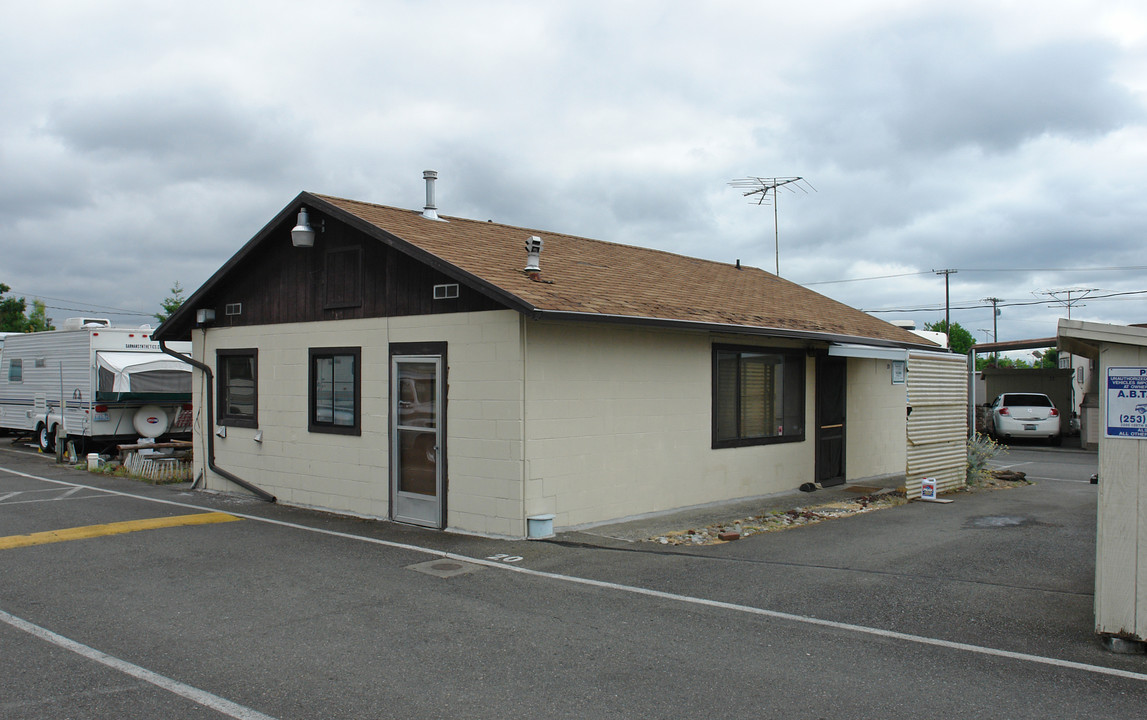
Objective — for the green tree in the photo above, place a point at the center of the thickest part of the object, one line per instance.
(11, 312)
(1004, 362)
(959, 340)
(171, 303)
(1049, 359)
(13, 319)
(38, 319)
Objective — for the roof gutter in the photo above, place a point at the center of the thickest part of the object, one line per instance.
(258, 491)
(726, 328)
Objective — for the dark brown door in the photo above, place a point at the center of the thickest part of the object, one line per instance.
(831, 374)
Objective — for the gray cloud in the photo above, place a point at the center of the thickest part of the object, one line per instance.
(935, 85)
(961, 136)
(192, 134)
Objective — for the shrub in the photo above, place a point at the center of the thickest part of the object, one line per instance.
(981, 450)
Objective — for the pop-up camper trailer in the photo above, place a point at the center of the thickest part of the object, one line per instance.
(102, 384)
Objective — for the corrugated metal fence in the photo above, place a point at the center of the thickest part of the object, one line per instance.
(938, 425)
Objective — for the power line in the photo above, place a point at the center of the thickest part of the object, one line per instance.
(1013, 303)
(874, 277)
(91, 311)
(980, 270)
(92, 307)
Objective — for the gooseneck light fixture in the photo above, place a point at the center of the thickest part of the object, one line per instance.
(303, 235)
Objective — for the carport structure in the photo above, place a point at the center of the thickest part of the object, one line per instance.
(996, 347)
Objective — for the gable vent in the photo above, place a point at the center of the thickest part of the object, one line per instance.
(446, 292)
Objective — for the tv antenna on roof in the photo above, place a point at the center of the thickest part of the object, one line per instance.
(761, 186)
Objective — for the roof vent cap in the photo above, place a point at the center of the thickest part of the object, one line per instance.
(430, 212)
(534, 251)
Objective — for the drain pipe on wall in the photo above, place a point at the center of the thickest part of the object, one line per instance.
(206, 369)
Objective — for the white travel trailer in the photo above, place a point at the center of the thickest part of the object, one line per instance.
(99, 384)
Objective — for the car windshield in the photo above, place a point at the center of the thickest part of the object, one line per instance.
(1027, 400)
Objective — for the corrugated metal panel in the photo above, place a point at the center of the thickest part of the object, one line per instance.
(937, 427)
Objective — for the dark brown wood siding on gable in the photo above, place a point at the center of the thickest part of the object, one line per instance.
(346, 275)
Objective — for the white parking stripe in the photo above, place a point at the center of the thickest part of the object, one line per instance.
(1009, 465)
(202, 697)
(747, 609)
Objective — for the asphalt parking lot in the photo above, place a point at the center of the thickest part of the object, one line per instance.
(193, 605)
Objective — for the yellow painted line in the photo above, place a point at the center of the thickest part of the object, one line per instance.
(117, 528)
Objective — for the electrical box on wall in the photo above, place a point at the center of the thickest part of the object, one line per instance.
(897, 372)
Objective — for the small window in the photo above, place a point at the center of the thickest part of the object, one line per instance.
(237, 377)
(233, 309)
(335, 390)
(16, 370)
(758, 396)
(1027, 400)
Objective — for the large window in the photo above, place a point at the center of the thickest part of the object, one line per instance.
(237, 377)
(758, 396)
(336, 390)
(16, 370)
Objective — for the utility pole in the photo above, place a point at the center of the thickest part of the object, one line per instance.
(995, 314)
(947, 304)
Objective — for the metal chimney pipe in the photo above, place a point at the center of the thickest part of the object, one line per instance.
(430, 212)
(533, 256)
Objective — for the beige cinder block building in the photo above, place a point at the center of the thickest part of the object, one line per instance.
(469, 375)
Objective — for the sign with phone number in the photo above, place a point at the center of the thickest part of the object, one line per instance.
(1127, 402)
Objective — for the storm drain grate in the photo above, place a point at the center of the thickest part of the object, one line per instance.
(444, 568)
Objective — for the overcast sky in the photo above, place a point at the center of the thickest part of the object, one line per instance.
(143, 144)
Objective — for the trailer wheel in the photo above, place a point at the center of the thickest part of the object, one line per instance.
(46, 438)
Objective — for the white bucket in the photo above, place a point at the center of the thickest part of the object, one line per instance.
(93, 461)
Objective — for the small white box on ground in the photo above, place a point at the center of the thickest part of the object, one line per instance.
(539, 527)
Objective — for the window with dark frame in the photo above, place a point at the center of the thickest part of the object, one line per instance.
(237, 387)
(758, 396)
(335, 390)
(16, 370)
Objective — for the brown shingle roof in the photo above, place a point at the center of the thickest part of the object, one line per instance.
(609, 279)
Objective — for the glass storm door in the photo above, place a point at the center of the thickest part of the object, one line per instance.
(416, 439)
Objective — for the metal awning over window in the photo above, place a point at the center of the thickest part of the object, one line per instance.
(867, 351)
